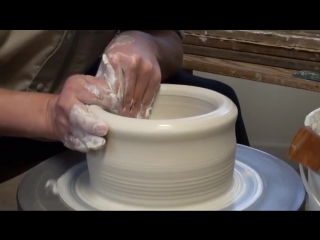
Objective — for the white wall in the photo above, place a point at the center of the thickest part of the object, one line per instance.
(272, 114)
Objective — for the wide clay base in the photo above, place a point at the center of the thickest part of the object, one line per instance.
(75, 190)
(282, 186)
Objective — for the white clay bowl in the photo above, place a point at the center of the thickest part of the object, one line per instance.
(184, 154)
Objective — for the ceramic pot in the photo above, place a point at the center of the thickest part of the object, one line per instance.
(183, 154)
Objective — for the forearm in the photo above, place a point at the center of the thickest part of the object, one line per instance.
(168, 48)
(24, 114)
(170, 52)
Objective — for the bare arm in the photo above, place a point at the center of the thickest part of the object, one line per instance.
(168, 48)
(25, 114)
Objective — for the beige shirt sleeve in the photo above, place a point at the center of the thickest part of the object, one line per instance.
(42, 60)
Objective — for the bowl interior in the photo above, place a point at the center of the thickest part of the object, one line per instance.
(168, 106)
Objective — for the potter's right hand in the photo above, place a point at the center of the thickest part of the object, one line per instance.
(71, 120)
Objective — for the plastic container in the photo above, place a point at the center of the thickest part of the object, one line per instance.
(312, 185)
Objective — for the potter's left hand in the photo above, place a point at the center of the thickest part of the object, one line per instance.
(130, 65)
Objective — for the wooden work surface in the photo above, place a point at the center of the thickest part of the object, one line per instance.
(277, 57)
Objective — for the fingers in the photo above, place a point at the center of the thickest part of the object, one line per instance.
(127, 85)
(78, 128)
(86, 130)
(85, 143)
(124, 80)
(130, 82)
(134, 76)
(148, 97)
(93, 142)
(98, 92)
(86, 121)
(130, 76)
(139, 91)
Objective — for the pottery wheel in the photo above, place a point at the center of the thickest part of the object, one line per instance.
(261, 182)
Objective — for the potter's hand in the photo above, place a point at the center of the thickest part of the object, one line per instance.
(71, 120)
(130, 65)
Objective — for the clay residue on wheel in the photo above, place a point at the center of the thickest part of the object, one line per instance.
(51, 185)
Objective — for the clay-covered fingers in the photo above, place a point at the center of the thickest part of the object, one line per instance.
(133, 70)
(83, 142)
(151, 89)
(98, 92)
(137, 82)
(82, 119)
(143, 74)
(87, 131)
(86, 89)
(124, 79)
(75, 125)
(130, 74)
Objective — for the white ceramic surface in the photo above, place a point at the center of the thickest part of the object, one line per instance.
(184, 154)
(312, 186)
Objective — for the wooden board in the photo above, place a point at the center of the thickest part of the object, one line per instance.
(240, 46)
(266, 56)
(254, 72)
(249, 57)
(295, 39)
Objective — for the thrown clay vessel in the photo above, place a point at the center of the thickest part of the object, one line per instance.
(183, 155)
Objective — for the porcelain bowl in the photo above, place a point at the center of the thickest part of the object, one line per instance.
(183, 154)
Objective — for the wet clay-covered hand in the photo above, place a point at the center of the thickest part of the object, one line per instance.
(131, 68)
(71, 120)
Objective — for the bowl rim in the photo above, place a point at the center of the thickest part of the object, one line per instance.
(224, 116)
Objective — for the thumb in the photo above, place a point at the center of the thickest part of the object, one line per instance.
(81, 118)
